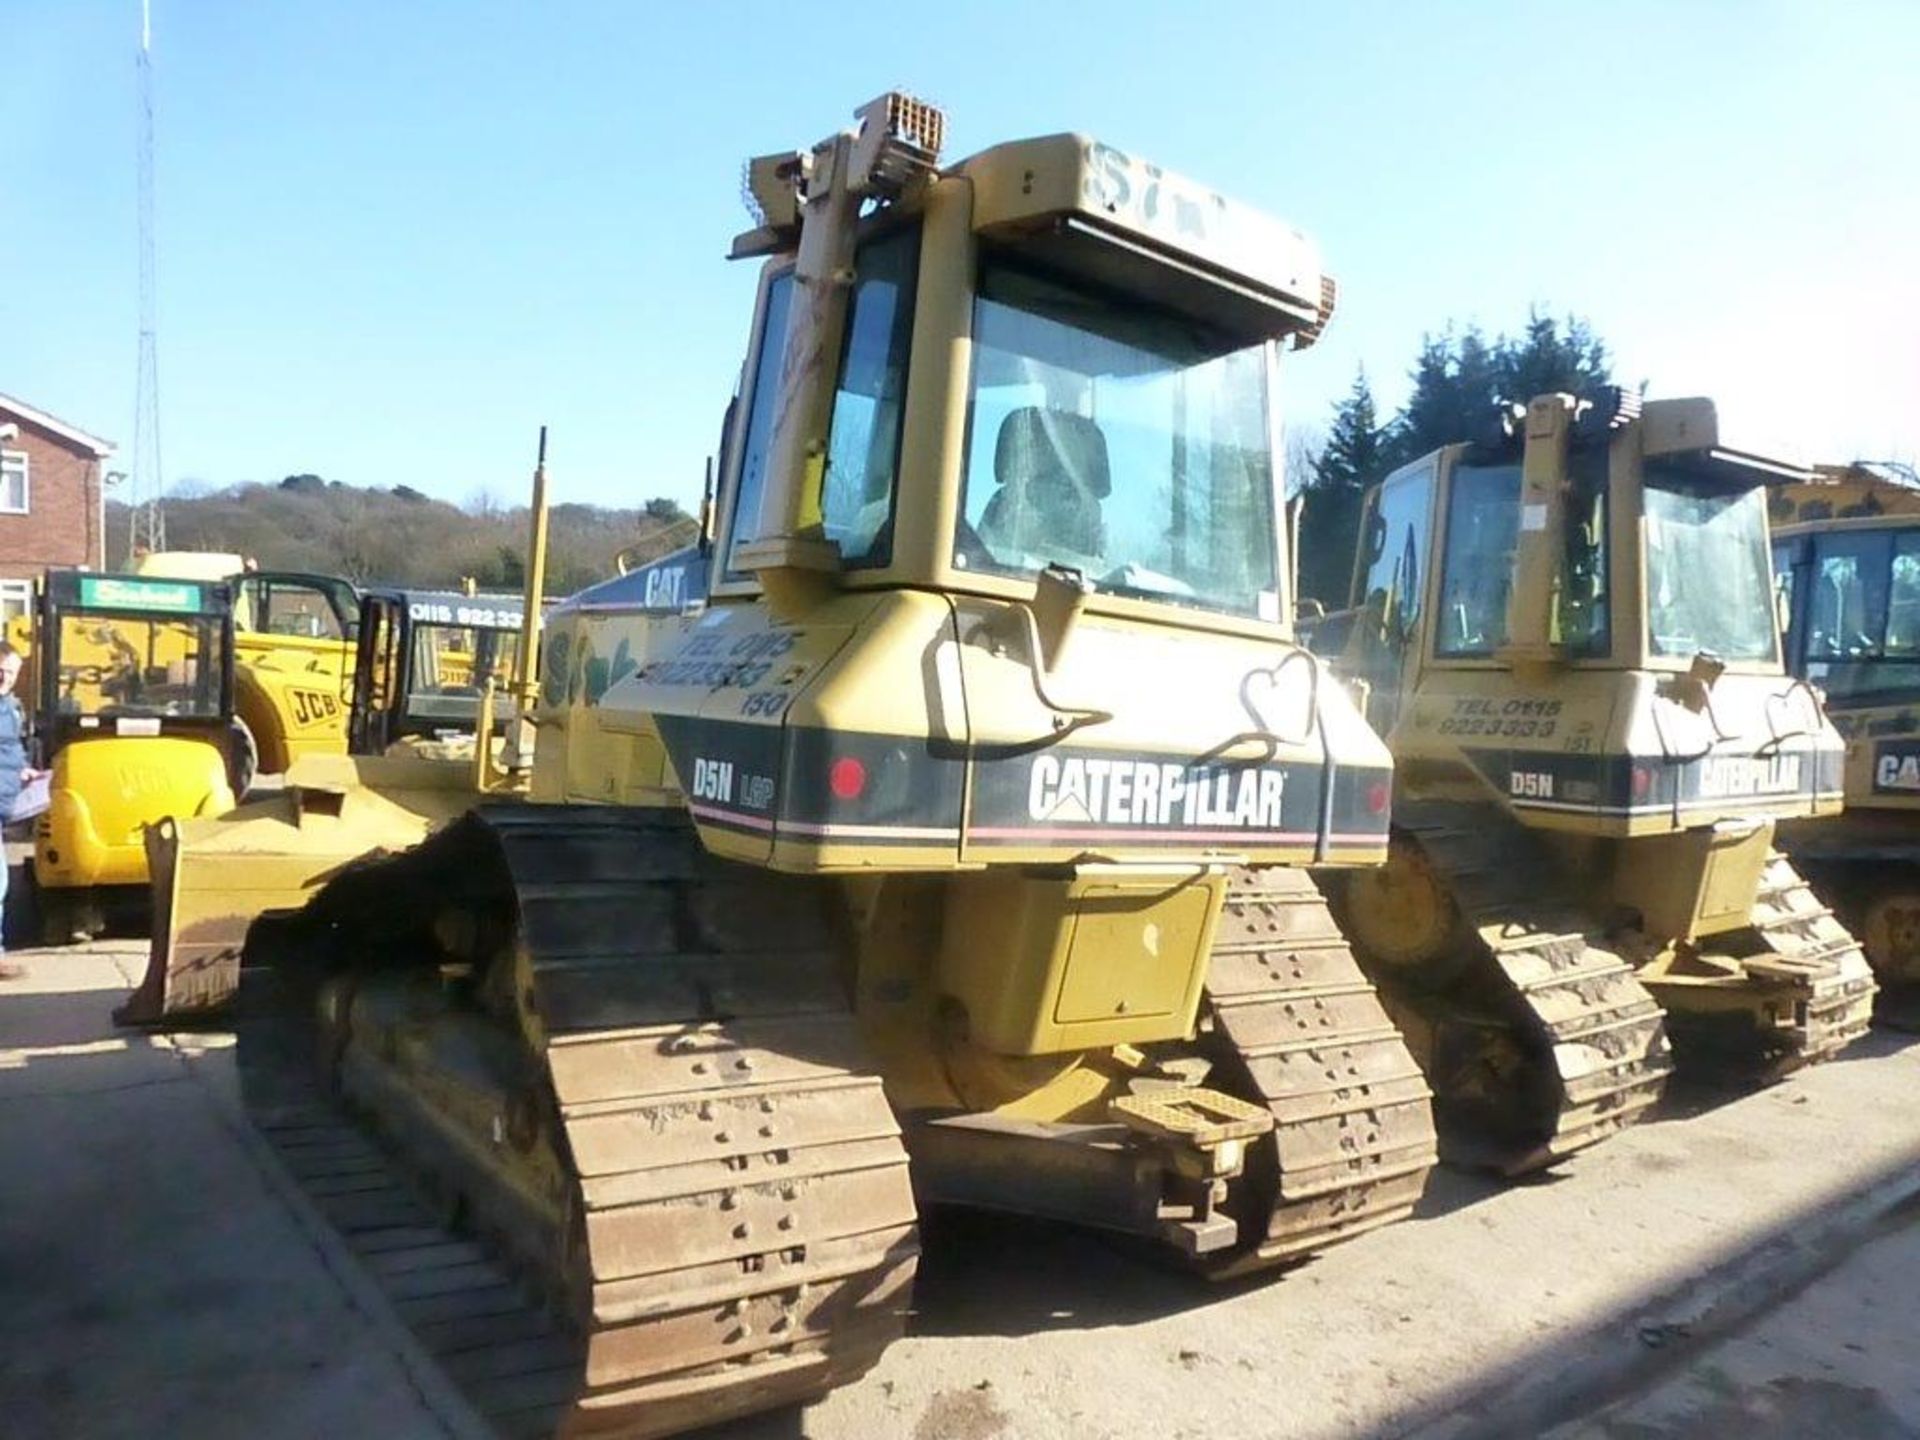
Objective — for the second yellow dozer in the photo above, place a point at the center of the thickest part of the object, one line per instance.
(1568, 634)
(1847, 553)
(954, 851)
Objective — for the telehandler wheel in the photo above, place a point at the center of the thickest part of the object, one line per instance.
(66, 916)
(243, 759)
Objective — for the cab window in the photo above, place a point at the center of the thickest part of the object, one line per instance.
(1476, 578)
(863, 437)
(293, 607)
(1398, 528)
(1483, 522)
(1397, 535)
(760, 407)
(1119, 439)
(863, 444)
(1862, 614)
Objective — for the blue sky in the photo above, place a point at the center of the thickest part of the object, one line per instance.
(394, 238)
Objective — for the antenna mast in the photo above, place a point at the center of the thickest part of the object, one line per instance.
(148, 530)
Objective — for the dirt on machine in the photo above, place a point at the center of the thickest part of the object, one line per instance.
(1846, 553)
(950, 844)
(1567, 632)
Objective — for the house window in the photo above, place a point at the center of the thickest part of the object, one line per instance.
(13, 482)
(16, 599)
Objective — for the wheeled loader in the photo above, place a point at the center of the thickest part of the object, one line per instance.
(1847, 554)
(954, 850)
(1567, 632)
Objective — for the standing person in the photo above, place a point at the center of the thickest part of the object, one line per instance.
(13, 774)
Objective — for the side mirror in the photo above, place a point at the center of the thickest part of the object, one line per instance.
(1376, 535)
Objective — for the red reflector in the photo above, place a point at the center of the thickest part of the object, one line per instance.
(1642, 782)
(846, 778)
(1378, 796)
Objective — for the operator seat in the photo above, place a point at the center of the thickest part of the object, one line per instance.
(1051, 470)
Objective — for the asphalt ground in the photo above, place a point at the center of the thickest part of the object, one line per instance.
(162, 1277)
(1834, 1359)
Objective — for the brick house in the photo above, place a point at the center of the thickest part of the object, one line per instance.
(51, 511)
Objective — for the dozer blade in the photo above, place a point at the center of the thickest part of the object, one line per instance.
(213, 878)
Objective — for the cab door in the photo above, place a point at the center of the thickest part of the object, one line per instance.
(1390, 594)
(377, 681)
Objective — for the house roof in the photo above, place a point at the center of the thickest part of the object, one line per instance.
(93, 444)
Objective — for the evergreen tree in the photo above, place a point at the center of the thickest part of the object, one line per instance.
(1458, 378)
(1546, 358)
(1353, 459)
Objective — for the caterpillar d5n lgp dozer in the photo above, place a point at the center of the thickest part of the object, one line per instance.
(966, 821)
(1847, 552)
(1568, 635)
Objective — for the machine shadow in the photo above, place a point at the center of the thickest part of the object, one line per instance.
(989, 1274)
(1689, 1094)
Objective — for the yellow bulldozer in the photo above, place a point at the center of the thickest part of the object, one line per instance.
(1567, 632)
(1847, 554)
(954, 850)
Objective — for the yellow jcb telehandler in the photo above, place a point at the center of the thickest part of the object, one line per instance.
(955, 850)
(1567, 632)
(293, 637)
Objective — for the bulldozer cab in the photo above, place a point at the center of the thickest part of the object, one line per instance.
(131, 656)
(998, 575)
(424, 662)
(1579, 612)
(1098, 419)
(1847, 564)
(1619, 543)
(1851, 592)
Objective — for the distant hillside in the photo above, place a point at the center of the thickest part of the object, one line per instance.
(402, 537)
